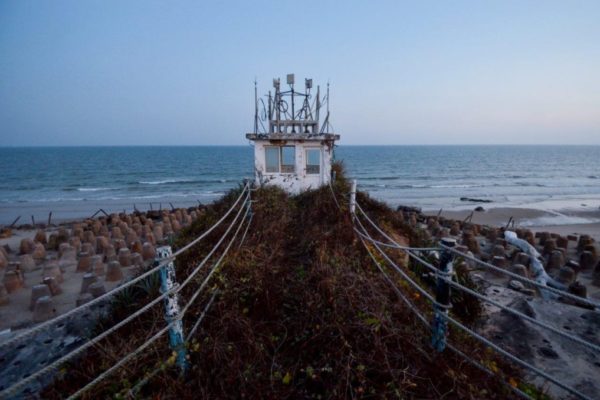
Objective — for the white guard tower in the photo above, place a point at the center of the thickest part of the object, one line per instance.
(295, 153)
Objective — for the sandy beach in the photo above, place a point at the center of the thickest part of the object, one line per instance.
(564, 222)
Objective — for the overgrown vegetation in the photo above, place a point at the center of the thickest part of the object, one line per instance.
(302, 312)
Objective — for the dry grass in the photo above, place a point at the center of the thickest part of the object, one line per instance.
(302, 313)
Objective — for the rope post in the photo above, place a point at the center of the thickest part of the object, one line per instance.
(353, 197)
(439, 327)
(172, 310)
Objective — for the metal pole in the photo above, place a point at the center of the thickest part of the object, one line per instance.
(255, 108)
(278, 106)
(293, 118)
(172, 310)
(270, 115)
(318, 107)
(327, 126)
(353, 197)
(439, 327)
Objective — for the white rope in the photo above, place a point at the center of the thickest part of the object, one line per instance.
(485, 369)
(132, 392)
(213, 270)
(522, 278)
(201, 264)
(505, 308)
(410, 304)
(193, 242)
(481, 338)
(180, 316)
(334, 196)
(495, 303)
(396, 245)
(201, 317)
(45, 325)
(515, 358)
(425, 322)
(122, 361)
(54, 365)
(472, 292)
(404, 274)
(246, 231)
(14, 389)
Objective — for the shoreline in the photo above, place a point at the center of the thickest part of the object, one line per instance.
(118, 240)
(564, 223)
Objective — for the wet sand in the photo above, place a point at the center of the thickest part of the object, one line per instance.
(561, 222)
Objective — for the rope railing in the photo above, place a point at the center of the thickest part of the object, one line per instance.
(394, 244)
(524, 279)
(16, 387)
(484, 298)
(412, 252)
(427, 325)
(77, 310)
(184, 310)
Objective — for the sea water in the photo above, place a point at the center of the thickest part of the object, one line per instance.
(75, 182)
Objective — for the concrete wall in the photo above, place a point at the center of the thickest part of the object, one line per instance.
(299, 180)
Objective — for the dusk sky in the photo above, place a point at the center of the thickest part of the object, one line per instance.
(422, 72)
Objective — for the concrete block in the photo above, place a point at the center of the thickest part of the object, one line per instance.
(38, 291)
(43, 309)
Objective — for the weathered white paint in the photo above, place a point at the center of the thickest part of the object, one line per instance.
(299, 180)
(298, 127)
(172, 309)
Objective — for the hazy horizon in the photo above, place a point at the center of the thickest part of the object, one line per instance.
(337, 145)
(151, 73)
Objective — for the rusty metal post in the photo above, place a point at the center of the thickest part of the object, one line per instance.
(439, 327)
(172, 310)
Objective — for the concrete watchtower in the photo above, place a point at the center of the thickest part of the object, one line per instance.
(295, 152)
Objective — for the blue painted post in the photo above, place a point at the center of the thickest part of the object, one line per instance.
(172, 310)
(439, 327)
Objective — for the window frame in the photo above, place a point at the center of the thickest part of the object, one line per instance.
(308, 170)
(284, 168)
(278, 152)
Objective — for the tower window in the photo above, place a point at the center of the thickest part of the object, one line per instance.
(272, 158)
(280, 159)
(313, 161)
(288, 159)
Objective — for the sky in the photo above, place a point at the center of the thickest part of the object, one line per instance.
(181, 73)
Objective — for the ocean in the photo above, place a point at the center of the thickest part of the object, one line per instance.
(74, 182)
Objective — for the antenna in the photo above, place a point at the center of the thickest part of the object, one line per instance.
(318, 104)
(255, 107)
(290, 81)
(327, 126)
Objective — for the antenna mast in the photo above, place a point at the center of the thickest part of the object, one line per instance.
(255, 107)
